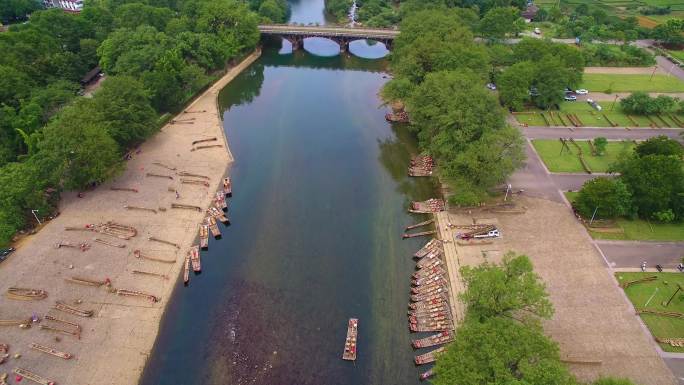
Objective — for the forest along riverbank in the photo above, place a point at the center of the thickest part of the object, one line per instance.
(315, 236)
(110, 312)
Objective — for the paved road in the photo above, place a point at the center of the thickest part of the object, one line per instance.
(534, 178)
(572, 182)
(616, 133)
(632, 253)
(326, 31)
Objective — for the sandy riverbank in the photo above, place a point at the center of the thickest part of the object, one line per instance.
(117, 340)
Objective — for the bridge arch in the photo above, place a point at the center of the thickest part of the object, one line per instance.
(297, 41)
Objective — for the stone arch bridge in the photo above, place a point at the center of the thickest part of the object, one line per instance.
(296, 34)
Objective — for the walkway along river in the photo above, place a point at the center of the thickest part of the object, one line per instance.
(319, 206)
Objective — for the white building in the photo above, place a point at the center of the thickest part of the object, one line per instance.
(66, 5)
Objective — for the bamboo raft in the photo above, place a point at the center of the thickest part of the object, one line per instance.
(433, 278)
(185, 173)
(195, 182)
(135, 293)
(426, 207)
(227, 187)
(438, 300)
(349, 353)
(428, 247)
(421, 166)
(428, 357)
(211, 222)
(86, 281)
(127, 207)
(430, 258)
(204, 236)
(139, 254)
(154, 239)
(433, 340)
(151, 174)
(428, 311)
(15, 322)
(70, 328)
(194, 142)
(424, 223)
(435, 262)
(431, 327)
(399, 117)
(425, 375)
(423, 296)
(184, 206)
(475, 232)
(220, 201)
(110, 228)
(186, 269)
(430, 288)
(61, 306)
(214, 212)
(151, 274)
(420, 234)
(33, 377)
(203, 147)
(50, 351)
(108, 243)
(162, 165)
(129, 189)
(195, 259)
(24, 294)
(83, 246)
(472, 242)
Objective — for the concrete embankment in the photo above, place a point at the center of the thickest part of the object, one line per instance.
(117, 340)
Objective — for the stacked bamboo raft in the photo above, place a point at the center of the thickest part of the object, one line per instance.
(426, 207)
(421, 166)
(429, 309)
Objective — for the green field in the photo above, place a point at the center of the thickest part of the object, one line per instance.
(568, 161)
(625, 8)
(631, 83)
(677, 54)
(655, 293)
(589, 117)
(641, 230)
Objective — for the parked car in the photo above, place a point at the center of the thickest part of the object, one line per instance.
(570, 98)
(533, 91)
(491, 86)
(582, 91)
(4, 253)
(537, 31)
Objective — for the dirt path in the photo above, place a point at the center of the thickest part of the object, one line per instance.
(117, 340)
(623, 70)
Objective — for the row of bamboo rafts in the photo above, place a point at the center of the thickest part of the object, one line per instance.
(113, 229)
(217, 214)
(421, 166)
(220, 201)
(429, 310)
(350, 343)
(429, 206)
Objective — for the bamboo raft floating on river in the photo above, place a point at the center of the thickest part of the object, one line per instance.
(398, 117)
(421, 166)
(428, 357)
(227, 187)
(220, 201)
(424, 223)
(433, 278)
(350, 347)
(27, 374)
(424, 296)
(50, 351)
(420, 234)
(433, 340)
(428, 247)
(204, 236)
(186, 269)
(427, 207)
(25, 294)
(211, 221)
(431, 327)
(195, 259)
(430, 258)
(213, 211)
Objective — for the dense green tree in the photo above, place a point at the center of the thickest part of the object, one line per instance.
(132, 52)
(550, 79)
(510, 289)
(607, 197)
(501, 351)
(514, 84)
(133, 15)
(670, 32)
(600, 145)
(76, 151)
(656, 183)
(234, 24)
(641, 103)
(501, 21)
(14, 85)
(659, 145)
(11, 10)
(338, 8)
(273, 10)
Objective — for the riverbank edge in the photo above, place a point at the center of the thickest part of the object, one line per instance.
(214, 91)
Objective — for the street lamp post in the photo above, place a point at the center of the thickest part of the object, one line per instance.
(36, 216)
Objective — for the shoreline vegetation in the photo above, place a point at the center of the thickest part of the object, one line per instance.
(156, 59)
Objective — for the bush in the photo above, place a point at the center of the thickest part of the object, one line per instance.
(600, 144)
(608, 55)
(607, 196)
(640, 103)
(659, 145)
(665, 216)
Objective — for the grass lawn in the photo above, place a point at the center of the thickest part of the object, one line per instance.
(631, 83)
(589, 117)
(677, 54)
(655, 293)
(638, 229)
(567, 161)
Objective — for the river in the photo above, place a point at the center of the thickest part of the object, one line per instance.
(319, 206)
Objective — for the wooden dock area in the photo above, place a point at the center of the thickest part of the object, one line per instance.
(453, 265)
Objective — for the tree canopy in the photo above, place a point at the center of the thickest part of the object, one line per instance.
(608, 197)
